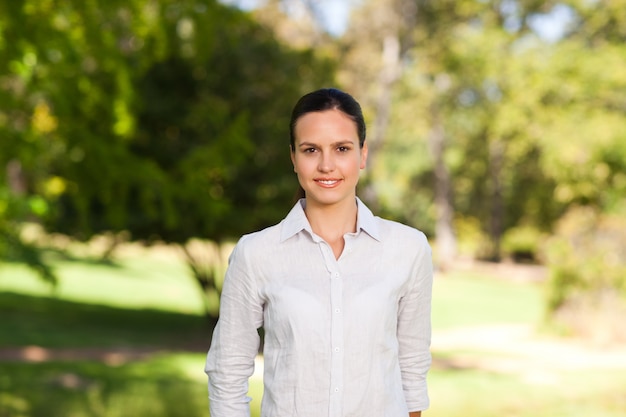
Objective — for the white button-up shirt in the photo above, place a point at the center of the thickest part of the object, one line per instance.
(343, 337)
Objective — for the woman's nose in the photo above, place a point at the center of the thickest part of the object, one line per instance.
(326, 163)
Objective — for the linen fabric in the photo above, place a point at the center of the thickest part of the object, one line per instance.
(344, 337)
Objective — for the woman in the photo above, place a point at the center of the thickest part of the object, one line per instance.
(343, 296)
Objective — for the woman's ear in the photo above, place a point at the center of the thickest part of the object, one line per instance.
(292, 154)
(364, 151)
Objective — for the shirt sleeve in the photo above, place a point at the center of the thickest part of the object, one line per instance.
(235, 342)
(414, 330)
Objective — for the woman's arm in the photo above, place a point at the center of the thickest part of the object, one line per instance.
(235, 343)
(414, 328)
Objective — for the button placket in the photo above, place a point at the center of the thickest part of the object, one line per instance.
(336, 331)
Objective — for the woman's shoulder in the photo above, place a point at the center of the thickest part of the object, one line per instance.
(261, 237)
(402, 233)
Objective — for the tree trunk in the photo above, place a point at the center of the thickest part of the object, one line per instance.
(400, 17)
(496, 221)
(15, 177)
(205, 273)
(444, 228)
(389, 74)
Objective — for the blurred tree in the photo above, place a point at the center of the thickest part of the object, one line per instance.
(23, 158)
(379, 48)
(14, 210)
(584, 154)
(167, 119)
(496, 117)
(584, 141)
(475, 92)
(298, 23)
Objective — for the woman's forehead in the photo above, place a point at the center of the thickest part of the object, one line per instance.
(326, 124)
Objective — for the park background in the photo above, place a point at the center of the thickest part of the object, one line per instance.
(140, 138)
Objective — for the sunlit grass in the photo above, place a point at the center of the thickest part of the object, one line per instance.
(467, 299)
(482, 393)
(153, 301)
(140, 301)
(173, 385)
(159, 387)
(164, 284)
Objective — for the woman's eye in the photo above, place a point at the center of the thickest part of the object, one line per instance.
(309, 150)
(343, 149)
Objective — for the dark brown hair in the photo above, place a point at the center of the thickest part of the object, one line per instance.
(327, 99)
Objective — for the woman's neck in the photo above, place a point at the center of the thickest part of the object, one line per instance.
(332, 222)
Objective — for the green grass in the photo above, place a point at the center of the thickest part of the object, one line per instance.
(55, 323)
(152, 301)
(470, 299)
(135, 302)
(143, 282)
(457, 393)
(159, 387)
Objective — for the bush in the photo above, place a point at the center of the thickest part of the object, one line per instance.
(472, 241)
(522, 244)
(587, 285)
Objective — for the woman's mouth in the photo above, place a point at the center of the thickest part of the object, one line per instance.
(327, 182)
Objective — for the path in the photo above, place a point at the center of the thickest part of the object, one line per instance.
(516, 349)
(110, 356)
(513, 348)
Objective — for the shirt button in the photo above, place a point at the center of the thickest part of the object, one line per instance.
(337, 310)
(336, 349)
(336, 389)
(336, 275)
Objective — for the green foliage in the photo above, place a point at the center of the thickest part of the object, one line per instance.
(583, 125)
(14, 210)
(166, 119)
(169, 118)
(473, 242)
(158, 387)
(523, 243)
(587, 261)
(532, 127)
(587, 255)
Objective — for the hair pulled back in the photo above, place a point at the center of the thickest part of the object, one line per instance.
(327, 99)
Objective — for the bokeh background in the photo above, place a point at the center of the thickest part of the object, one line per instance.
(140, 138)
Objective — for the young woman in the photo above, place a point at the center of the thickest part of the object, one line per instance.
(344, 297)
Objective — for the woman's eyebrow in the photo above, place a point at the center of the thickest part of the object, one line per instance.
(334, 144)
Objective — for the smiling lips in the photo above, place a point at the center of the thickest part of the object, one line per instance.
(327, 182)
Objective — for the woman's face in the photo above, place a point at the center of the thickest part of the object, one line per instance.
(327, 157)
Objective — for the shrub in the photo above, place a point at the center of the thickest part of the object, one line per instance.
(472, 242)
(522, 244)
(587, 264)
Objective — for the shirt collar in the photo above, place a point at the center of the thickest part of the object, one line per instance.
(296, 221)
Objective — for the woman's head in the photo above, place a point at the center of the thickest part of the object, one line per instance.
(327, 99)
(328, 148)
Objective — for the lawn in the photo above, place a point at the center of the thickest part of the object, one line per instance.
(470, 299)
(148, 301)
